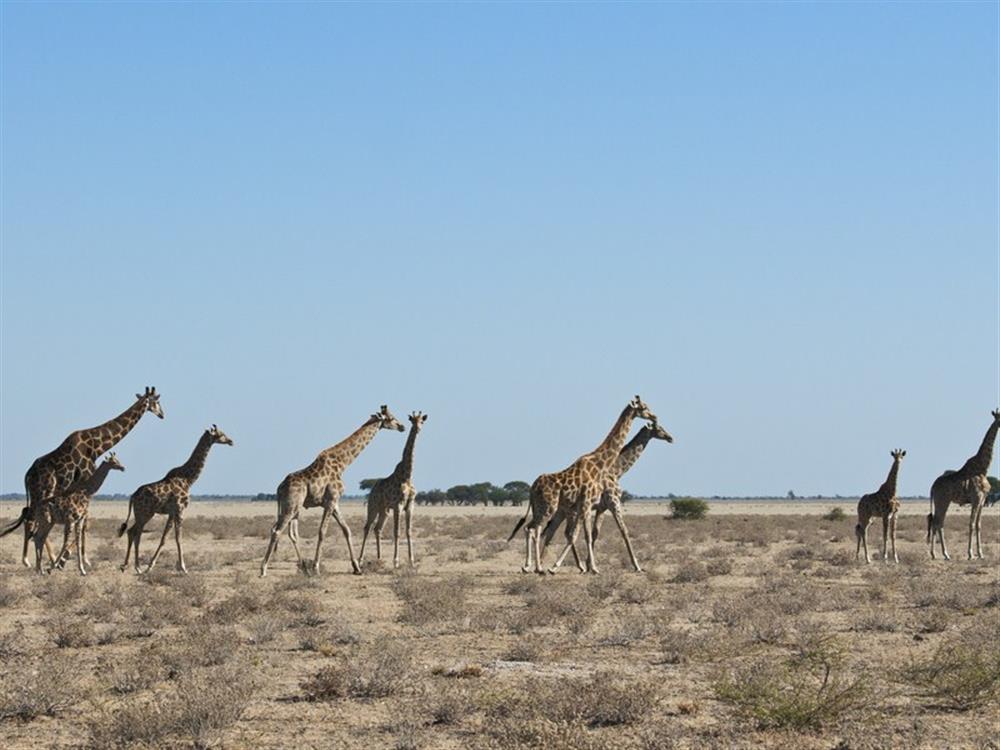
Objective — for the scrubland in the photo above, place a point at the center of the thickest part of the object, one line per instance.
(744, 631)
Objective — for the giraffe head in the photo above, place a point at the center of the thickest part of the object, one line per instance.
(641, 411)
(386, 421)
(218, 436)
(897, 455)
(417, 419)
(152, 401)
(113, 463)
(658, 433)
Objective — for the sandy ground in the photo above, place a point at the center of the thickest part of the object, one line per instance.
(467, 652)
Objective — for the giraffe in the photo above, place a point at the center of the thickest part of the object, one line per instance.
(882, 503)
(75, 459)
(394, 492)
(967, 486)
(574, 490)
(70, 508)
(611, 498)
(168, 496)
(320, 484)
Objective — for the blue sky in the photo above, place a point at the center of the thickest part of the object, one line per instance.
(775, 222)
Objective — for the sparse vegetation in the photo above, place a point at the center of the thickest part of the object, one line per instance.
(688, 508)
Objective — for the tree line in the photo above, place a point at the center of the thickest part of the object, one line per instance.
(481, 493)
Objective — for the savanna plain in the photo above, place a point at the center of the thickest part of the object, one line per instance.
(753, 627)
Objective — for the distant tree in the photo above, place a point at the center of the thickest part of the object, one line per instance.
(626, 496)
(517, 492)
(431, 497)
(367, 484)
(994, 495)
(459, 494)
(480, 492)
(687, 508)
(791, 495)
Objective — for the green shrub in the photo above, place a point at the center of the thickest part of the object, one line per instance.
(805, 692)
(686, 508)
(835, 514)
(962, 674)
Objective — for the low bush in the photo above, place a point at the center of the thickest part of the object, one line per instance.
(688, 508)
(835, 514)
(32, 689)
(428, 600)
(375, 672)
(962, 674)
(805, 692)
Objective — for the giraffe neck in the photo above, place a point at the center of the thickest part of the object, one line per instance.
(631, 452)
(350, 447)
(99, 440)
(404, 469)
(980, 463)
(607, 452)
(888, 487)
(190, 470)
(93, 483)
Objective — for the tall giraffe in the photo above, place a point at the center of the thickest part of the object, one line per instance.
(76, 456)
(574, 490)
(611, 498)
(320, 485)
(70, 508)
(884, 504)
(394, 492)
(967, 486)
(170, 497)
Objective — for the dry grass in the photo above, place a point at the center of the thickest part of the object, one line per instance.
(743, 632)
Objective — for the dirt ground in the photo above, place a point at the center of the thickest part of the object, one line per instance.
(747, 629)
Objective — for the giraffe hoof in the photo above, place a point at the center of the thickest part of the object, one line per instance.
(525, 569)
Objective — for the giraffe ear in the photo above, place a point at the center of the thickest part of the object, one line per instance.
(423, 417)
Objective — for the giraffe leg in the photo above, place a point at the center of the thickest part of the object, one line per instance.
(379, 523)
(79, 525)
(41, 537)
(323, 522)
(347, 537)
(293, 535)
(885, 538)
(64, 550)
(409, 533)
(616, 511)
(272, 543)
(369, 523)
(979, 529)
(598, 520)
(28, 526)
(571, 541)
(892, 536)
(571, 532)
(395, 537)
(529, 543)
(83, 539)
(178, 522)
(163, 538)
(588, 532)
(972, 528)
(862, 531)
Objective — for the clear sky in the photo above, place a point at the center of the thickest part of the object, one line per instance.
(775, 222)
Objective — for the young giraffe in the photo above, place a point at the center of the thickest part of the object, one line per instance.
(70, 508)
(320, 484)
(394, 492)
(169, 496)
(611, 498)
(884, 504)
(76, 457)
(574, 490)
(967, 486)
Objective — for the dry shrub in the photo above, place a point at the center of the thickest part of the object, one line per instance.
(12, 643)
(636, 591)
(933, 620)
(264, 628)
(32, 689)
(59, 592)
(428, 600)
(491, 548)
(461, 556)
(691, 572)
(961, 595)
(325, 640)
(136, 672)
(450, 705)
(241, 604)
(878, 620)
(375, 672)
(194, 713)
(157, 607)
(624, 631)
(10, 592)
(804, 692)
(303, 607)
(962, 674)
(527, 650)
(202, 645)
(719, 567)
(67, 631)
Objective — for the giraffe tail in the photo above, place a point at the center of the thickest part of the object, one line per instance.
(930, 516)
(124, 526)
(519, 524)
(25, 512)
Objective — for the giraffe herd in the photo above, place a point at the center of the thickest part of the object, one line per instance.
(60, 485)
